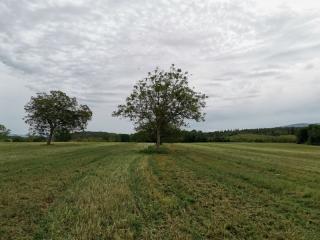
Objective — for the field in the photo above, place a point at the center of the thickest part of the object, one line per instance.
(195, 191)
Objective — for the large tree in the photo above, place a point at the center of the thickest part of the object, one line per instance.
(48, 113)
(163, 99)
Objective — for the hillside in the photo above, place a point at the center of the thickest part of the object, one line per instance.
(298, 125)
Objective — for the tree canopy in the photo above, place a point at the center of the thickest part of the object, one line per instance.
(310, 135)
(163, 100)
(4, 132)
(47, 113)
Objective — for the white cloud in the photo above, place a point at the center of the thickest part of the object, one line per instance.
(252, 57)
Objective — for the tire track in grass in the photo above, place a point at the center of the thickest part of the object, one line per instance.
(159, 209)
(297, 162)
(27, 195)
(208, 211)
(280, 179)
(173, 204)
(299, 225)
(149, 214)
(99, 206)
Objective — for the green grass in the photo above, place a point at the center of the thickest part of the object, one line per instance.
(152, 149)
(193, 191)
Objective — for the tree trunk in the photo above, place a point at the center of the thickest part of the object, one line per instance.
(49, 139)
(158, 138)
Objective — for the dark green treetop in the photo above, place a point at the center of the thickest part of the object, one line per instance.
(4, 132)
(47, 113)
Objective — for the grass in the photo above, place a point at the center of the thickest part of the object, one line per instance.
(152, 149)
(193, 191)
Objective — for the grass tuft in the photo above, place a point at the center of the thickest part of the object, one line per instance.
(154, 150)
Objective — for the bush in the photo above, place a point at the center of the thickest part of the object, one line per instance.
(314, 134)
(154, 150)
(62, 135)
(18, 139)
(310, 135)
(285, 139)
(4, 133)
(124, 137)
(36, 138)
(302, 135)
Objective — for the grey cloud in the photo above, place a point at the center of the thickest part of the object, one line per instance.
(96, 50)
(309, 66)
(262, 74)
(296, 53)
(24, 68)
(237, 98)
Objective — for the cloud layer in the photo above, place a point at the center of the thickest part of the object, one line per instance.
(258, 62)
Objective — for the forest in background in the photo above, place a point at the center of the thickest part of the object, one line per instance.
(310, 135)
(277, 134)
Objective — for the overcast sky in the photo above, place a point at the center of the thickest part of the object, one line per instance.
(259, 61)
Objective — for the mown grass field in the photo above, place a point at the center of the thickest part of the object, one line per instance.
(196, 191)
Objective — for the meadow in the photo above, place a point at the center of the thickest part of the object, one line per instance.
(191, 191)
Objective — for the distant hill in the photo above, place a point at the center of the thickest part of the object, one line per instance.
(299, 125)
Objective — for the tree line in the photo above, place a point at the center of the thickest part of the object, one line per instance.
(277, 135)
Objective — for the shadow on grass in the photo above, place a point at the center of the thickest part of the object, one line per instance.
(154, 150)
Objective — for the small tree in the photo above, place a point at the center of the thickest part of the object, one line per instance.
(47, 113)
(162, 99)
(4, 132)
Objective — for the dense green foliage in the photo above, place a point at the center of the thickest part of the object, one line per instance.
(302, 135)
(161, 101)
(194, 191)
(100, 136)
(262, 138)
(4, 133)
(314, 134)
(175, 135)
(49, 113)
(29, 138)
(280, 134)
(310, 135)
(62, 135)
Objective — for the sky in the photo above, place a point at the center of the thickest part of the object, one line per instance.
(258, 61)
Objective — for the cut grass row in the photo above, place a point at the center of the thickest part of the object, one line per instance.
(195, 191)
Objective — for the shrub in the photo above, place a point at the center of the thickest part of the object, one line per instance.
(302, 135)
(314, 134)
(18, 139)
(154, 150)
(310, 135)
